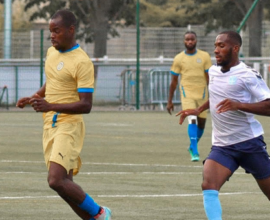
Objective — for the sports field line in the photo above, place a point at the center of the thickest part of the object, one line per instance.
(111, 173)
(126, 196)
(108, 164)
(120, 173)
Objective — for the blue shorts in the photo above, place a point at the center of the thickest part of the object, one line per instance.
(251, 155)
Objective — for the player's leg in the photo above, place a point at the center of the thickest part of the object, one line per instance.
(193, 137)
(264, 185)
(201, 120)
(218, 167)
(201, 126)
(62, 146)
(214, 176)
(54, 183)
(192, 128)
(71, 192)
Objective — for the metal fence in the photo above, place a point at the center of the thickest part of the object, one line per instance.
(154, 42)
(115, 82)
(154, 88)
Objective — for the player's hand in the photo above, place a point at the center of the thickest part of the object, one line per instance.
(170, 107)
(227, 105)
(21, 103)
(39, 104)
(184, 113)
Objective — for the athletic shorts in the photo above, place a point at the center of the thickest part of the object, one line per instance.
(63, 145)
(192, 104)
(251, 155)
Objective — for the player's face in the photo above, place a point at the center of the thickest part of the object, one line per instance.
(190, 41)
(61, 36)
(223, 50)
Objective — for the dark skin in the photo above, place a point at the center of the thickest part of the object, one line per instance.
(214, 174)
(190, 42)
(62, 38)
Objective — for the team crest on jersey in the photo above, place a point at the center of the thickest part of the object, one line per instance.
(199, 60)
(60, 66)
(232, 80)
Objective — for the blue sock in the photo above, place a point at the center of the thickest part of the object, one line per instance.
(192, 132)
(212, 205)
(90, 206)
(199, 133)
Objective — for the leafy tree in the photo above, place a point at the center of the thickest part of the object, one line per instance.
(96, 18)
(229, 14)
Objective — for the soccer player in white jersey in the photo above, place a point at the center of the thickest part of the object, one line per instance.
(66, 95)
(236, 92)
(192, 64)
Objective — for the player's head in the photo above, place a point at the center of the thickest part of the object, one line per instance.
(62, 28)
(190, 40)
(227, 46)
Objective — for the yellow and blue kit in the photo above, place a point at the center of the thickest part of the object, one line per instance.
(67, 74)
(192, 67)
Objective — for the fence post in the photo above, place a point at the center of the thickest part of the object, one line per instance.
(17, 82)
(41, 57)
(265, 72)
(138, 56)
(257, 66)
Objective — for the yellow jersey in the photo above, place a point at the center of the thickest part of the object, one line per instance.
(192, 67)
(67, 74)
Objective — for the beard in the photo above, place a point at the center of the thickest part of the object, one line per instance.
(226, 60)
(191, 47)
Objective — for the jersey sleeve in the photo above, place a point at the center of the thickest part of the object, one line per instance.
(257, 86)
(176, 68)
(85, 76)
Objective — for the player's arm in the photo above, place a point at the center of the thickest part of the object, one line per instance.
(184, 113)
(26, 100)
(206, 76)
(173, 86)
(83, 106)
(258, 108)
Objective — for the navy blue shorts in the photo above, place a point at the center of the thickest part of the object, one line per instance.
(251, 155)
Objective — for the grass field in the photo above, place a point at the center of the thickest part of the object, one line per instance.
(136, 163)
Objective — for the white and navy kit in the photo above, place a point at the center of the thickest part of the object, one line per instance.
(241, 84)
(237, 136)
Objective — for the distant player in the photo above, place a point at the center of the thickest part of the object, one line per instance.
(66, 95)
(236, 91)
(193, 65)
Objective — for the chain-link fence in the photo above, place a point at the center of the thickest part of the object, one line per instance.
(154, 42)
(23, 74)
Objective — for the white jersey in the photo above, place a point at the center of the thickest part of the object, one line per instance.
(240, 84)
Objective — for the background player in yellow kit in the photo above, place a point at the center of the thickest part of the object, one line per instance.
(66, 95)
(193, 65)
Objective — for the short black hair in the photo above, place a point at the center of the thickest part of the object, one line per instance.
(235, 38)
(190, 32)
(68, 18)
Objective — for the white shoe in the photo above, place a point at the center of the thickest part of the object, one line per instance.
(105, 214)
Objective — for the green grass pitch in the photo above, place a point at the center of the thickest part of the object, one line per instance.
(136, 163)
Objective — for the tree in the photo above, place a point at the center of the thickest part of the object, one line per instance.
(96, 18)
(228, 14)
(20, 21)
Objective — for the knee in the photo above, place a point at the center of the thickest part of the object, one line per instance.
(207, 185)
(204, 186)
(55, 184)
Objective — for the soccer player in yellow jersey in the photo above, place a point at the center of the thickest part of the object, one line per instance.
(66, 95)
(192, 64)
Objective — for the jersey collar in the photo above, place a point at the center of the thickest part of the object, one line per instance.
(191, 54)
(72, 48)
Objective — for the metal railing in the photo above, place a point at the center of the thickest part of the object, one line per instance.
(115, 81)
